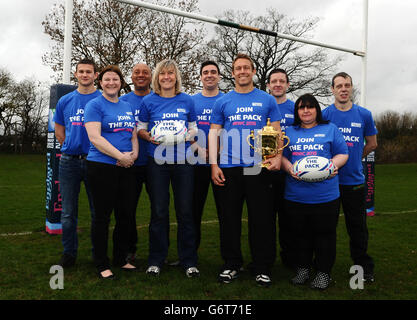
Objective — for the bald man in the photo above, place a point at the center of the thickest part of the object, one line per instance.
(141, 79)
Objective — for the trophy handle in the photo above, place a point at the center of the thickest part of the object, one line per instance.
(283, 137)
(252, 135)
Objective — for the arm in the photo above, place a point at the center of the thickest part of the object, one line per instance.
(370, 145)
(60, 133)
(213, 144)
(339, 161)
(287, 166)
(143, 133)
(94, 134)
(135, 144)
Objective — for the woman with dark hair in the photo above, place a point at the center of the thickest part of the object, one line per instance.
(313, 207)
(111, 128)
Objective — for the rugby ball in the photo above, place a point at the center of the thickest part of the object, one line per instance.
(169, 132)
(313, 168)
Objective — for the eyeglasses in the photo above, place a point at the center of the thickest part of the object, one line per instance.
(307, 106)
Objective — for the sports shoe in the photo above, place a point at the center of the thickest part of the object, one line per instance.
(263, 280)
(321, 281)
(153, 270)
(303, 274)
(227, 276)
(67, 261)
(368, 277)
(192, 272)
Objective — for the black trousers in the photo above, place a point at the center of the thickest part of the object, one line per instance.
(284, 231)
(256, 190)
(354, 209)
(202, 180)
(314, 227)
(112, 189)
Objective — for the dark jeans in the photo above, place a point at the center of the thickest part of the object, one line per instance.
(256, 190)
(284, 233)
(181, 176)
(112, 189)
(202, 180)
(354, 209)
(314, 227)
(140, 177)
(72, 172)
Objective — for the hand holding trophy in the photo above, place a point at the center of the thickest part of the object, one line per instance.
(266, 142)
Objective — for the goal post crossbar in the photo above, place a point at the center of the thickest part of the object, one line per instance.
(238, 26)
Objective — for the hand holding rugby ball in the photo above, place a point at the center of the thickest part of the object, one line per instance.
(169, 132)
(313, 168)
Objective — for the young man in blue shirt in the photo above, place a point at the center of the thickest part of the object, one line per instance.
(278, 85)
(234, 115)
(358, 128)
(204, 102)
(71, 134)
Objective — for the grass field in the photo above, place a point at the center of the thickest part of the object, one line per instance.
(27, 252)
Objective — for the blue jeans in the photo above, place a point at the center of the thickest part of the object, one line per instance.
(72, 172)
(181, 176)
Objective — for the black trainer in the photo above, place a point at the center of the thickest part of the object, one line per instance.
(67, 261)
(368, 277)
(303, 274)
(227, 276)
(321, 281)
(263, 280)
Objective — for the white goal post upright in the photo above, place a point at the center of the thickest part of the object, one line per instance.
(69, 7)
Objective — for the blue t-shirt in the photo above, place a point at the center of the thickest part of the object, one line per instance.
(154, 109)
(287, 113)
(117, 125)
(203, 109)
(238, 114)
(70, 113)
(323, 140)
(135, 102)
(355, 124)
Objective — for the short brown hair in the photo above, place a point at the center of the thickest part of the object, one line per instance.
(243, 56)
(87, 61)
(343, 75)
(112, 68)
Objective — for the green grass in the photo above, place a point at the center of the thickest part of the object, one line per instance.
(25, 259)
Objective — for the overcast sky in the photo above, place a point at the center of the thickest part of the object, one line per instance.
(392, 43)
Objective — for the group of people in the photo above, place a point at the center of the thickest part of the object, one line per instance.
(114, 153)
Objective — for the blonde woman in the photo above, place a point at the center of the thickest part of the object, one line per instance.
(168, 165)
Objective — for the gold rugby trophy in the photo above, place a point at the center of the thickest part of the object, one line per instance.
(266, 141)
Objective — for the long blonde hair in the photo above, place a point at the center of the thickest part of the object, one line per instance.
(166, 64)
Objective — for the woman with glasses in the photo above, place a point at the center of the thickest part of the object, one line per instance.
(313, 207)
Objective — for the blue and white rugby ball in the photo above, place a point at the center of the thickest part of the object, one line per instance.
(313, 168)
(169, 132)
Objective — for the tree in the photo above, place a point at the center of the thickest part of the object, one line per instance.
(114, 33)
(7, 111)
(30, 104)
(308, 70)
(23, 116)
